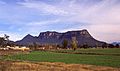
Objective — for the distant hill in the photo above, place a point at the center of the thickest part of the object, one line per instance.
(53, 37)
(114, 43)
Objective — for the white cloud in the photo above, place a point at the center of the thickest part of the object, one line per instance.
(72, 11)
(101, 18)
(46, 22)
(45, 8)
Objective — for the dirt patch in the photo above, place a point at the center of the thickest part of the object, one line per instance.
(12, 52)
(47, 66)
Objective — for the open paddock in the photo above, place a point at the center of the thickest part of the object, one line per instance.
(71, 58)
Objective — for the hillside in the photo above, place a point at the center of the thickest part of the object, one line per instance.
(52, 37)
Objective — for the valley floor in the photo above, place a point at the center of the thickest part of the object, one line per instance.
(61, 60)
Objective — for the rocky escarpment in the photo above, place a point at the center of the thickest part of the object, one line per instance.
(82, 36)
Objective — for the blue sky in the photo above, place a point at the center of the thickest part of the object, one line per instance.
(21, 17)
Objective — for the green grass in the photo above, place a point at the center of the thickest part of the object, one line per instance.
(101, 60)
(114, 51)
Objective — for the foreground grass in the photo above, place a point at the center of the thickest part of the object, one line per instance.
(42, 56)
(48, 66)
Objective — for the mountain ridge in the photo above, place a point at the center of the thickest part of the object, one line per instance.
(53, 38)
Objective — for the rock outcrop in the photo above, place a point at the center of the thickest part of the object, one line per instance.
(54, 38)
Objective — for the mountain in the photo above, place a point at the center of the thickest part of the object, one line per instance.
(114, 43)
(28, 39)
(53, 37)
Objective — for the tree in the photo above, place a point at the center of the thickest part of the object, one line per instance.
(35, 45)
(58, 46)
(104, 45)
(65, 43)
(2, 41)
(117, 45)
(31, 46)
(85, 46)
(111, 46)
(6, 37)
(74, 43)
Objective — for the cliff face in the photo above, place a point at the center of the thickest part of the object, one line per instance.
(82, 36)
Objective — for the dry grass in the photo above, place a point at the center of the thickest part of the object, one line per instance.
(47, 66)
(12, 52)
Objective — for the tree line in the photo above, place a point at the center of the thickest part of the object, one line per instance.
(74, 45)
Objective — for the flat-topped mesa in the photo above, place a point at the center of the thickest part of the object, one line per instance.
(85, 33)
(78, 33)
(53, 37)
(48, 33)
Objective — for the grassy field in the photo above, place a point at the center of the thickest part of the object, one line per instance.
(47, 56)
(94, 51)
